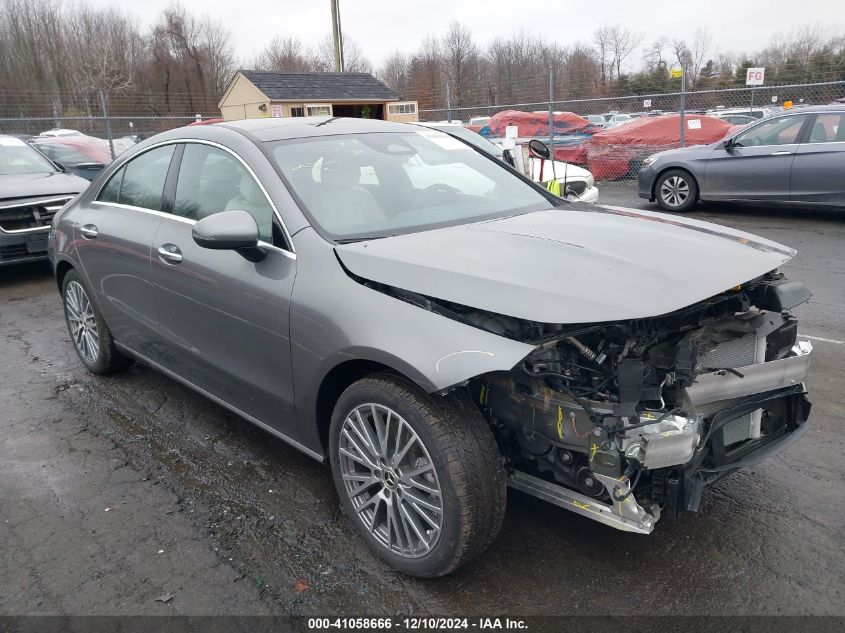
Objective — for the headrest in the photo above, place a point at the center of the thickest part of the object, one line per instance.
(250, 191)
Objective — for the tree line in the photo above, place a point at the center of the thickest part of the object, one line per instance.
(614, 62)
(56, 59)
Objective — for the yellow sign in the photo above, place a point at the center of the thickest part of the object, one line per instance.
(676, 74)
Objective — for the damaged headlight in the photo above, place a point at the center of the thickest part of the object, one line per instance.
(648, 161)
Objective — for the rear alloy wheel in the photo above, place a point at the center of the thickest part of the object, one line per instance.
(421, 478)
(89, 333)
(676, 190)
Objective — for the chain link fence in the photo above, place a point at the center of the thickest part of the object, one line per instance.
(97, 134)
(624, 128)
(627, 128)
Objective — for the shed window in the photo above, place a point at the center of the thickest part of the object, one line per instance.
(402, 108)
(319, 109)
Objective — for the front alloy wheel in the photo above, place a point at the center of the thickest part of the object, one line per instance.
(420, 476)
(676, 191)
(390, 480)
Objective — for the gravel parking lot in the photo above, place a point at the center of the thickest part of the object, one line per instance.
(133, 495)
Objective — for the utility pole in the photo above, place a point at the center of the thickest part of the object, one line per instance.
(683, 100)
(448, 103)
(552, 128)
(337, 36)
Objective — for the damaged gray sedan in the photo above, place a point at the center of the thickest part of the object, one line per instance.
(436, 326)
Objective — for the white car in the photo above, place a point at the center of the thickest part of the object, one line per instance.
(618, 119)
(577, 182)
(580, 184)
(61, 132)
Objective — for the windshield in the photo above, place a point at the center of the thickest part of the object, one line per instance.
(65, 154)
(16, 157)
(361, 186)
(473, 138)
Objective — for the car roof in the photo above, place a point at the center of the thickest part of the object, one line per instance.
(277, 129)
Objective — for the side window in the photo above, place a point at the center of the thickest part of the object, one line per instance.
(111, 191)
(142, 179)
(778, 131)
(828, 128)
(211, 180)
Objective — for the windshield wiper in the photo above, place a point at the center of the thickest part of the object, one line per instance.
(352, 240)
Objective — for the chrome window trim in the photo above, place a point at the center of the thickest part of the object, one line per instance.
(178, 218)
(36, 201)
(278, 215)
(809, 142)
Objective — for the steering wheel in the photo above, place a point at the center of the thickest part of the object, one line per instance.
(437, 191)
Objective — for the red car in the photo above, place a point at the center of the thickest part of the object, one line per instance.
(620, 151)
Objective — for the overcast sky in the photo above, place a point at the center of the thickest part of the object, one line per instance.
(382, 26)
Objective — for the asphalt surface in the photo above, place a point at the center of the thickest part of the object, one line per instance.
(133, 495)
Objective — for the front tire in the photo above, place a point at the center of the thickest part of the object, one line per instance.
(676, 191)
(420, 476)
(89, 333)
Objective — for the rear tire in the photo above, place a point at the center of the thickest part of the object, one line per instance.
(676, 191)
(89, 333)
(443, 501)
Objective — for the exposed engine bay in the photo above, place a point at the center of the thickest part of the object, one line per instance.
(627, 421)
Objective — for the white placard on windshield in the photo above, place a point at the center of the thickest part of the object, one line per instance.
(694, 124)
(443, 140)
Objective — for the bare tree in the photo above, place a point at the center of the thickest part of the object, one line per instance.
(285, 54)
(354, 60)
(602, 39)
(623, 42)
(693, 58)
(395, 72)
(460, 58)
(220, 56)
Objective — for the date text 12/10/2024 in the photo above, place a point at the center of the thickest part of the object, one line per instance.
(416, 624)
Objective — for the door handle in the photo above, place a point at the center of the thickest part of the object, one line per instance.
(781, 153)
(89, 231)
(169, 254)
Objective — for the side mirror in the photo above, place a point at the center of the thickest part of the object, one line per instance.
(539, 149)
(728, 144)
(507, 156)
(229, 231)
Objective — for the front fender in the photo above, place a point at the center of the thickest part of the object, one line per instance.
(336, 319)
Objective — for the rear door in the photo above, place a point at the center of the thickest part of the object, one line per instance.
(818, 169)
(224, 320)
(114, 234)
(758, 164)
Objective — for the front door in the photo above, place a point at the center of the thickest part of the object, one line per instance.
(224, 320)
(114, 234)
(756, 165)
(818, 169)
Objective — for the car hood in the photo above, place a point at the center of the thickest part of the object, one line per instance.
(578, 264)
(693, 151)
(45, 184)
(561, 169)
